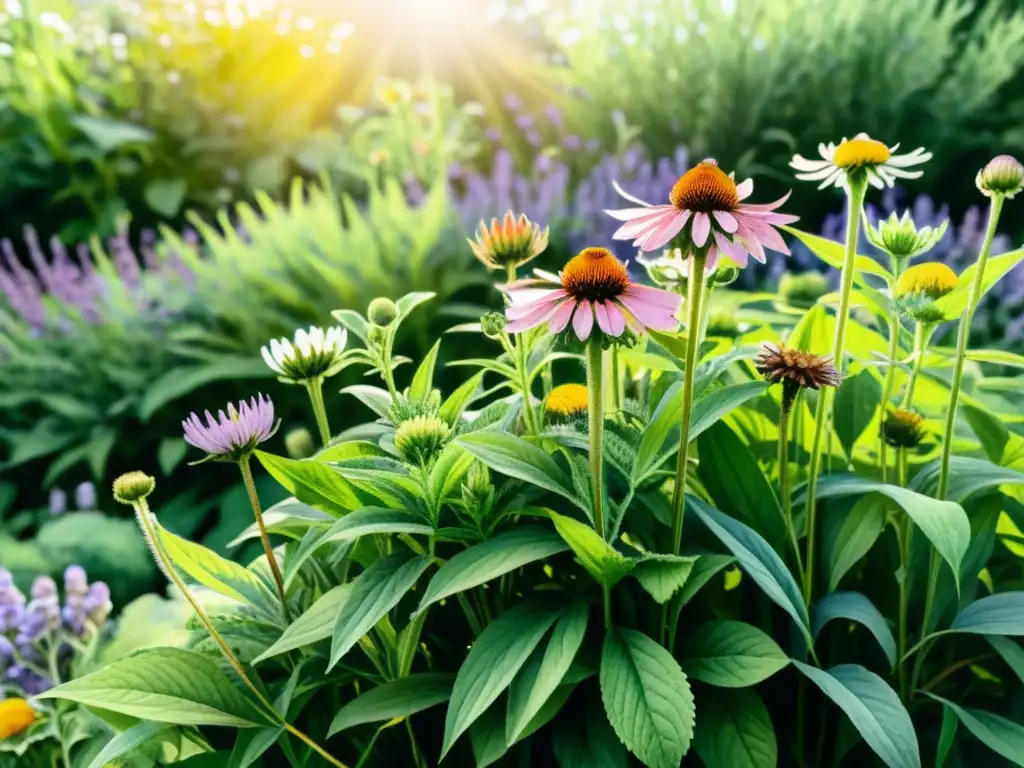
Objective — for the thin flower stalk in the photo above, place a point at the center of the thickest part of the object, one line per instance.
(890, 372)
(254, 500)
(315, 388)
(595, 415)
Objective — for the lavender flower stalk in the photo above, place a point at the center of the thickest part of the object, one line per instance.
(233, 437)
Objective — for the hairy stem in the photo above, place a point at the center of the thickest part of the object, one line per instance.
(890, 371)
(595, 412)
(315, 388)
(785, 496)
(254, 499)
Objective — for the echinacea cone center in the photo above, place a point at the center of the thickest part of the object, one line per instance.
(567, 400)
(705, 188)
(858, 153)
(594, 274)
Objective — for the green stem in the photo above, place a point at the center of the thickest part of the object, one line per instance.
(857, 190)
(785, 495)
(254, 499)
(516, 351)
(510, 272)
(890, 371)
(922, 332)
(595, 412)
(906, 534)
(315, 388)
(166, 565)
(962, 337)
(607, 600)
(385, 361)
(615, 379)
(695, 291)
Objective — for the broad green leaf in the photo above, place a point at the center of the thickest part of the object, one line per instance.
(423, 379)
(452, 408)
(251, 744)
(735, 731)
(706, 567)
(662, 576)
(312, 482)
(123, 743)
(167, 685)
(810, 333)
(731, 654)
(947, 736)
(1000, 614)
(109, 135)
(314, 625)
(165, 196)
(289, 518)
(736, 484)
(410, 301)
(1002, 736)
(967, 477)
(597, 556)
(954, 304)
(398, 698)
(490, 559)
(833, 254)
(855, 405)
(515, 457)
(856, 607)
(543, 672)
(874, 709)
(663, 421)
(860, 530)
(487, 737)
(350, 449)
(1011, 652)
(756, 557)
(944, 523)
(206, 567)
(494, 660)
(376, 399)
(647, 698)
(989, 429)
(448, 472)
(586, 740)
(375, 592)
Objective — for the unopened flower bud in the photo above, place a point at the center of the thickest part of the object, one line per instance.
(1004, 175)
(900, 237)
(509, 242)
(133, 486)
(421, 438)
(299, 443)
(902, 428)
(382, 312)
(493, 324)
(803, 290)
(725, 274)
(75, 580)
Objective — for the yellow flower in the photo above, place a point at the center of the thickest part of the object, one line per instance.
(15, 716)
(932, 279)
(566, 401)
(903, 429)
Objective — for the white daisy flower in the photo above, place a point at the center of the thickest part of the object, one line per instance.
(861, 153)
(311, 355)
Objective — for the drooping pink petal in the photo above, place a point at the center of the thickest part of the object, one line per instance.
(763, 233)
(616, 320)
(630, 214)
(538, 313)
(519, 310)
(649, 315)
(644, 224)
(583, 320)
(725, 220)
(601, 311)
(701, 228)
(561, 317)
(733, 250)
(664, 299)
(754, 207)
(669, 227)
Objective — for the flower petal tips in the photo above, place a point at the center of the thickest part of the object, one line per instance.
(234, 435)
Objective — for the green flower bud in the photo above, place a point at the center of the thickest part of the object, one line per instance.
(299, 443)
(133, 486)
(421, 438)
(376, 334)
(493, 324)
(1004, 175)
(725, 274)
(901, 239)
(803, 290)
(382, 312)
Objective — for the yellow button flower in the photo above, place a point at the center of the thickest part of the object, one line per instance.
(15, 716)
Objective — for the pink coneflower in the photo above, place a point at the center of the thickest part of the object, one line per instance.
(235, 435)
(593, 284)
(706, 205)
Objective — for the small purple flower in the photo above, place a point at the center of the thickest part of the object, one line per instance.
(75, 580)
(6, 579)
(235, 435)
(43, 587)
(572, 142)
(97, 603)
(525, 121)
(533, 138)
(592, 145)
(85, 496)
(493, 134)
(512, 102)
(553, 114)
(6, 650)
(58, 502)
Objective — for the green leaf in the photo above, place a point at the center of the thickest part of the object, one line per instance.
(109, 135)
(375, 592)
(586, 740)
(1002, 736)
(490, 559)
(423, 380)
(410, 301)
(855, 405)
(543, 672)
(989, 429)
(810, 334)
(448, 472)
(497, 655)
(398, 698)
(487, 737)
(736, 484)
(168, 685)
(664, 419)
(703, 571)
(856, 607)
(250, 745)
(179, 382)
(367, 520)
(314, 625)
(376, 399)
(517, 458)
(165, 196)
(206, 567)
(662, 576)
(860, 530)
(944, 523)
(647, 698)
(1000, 614)
(756, 557)
(731, 654)
(129, 740)
(597, 556)
(1011, 652)
(735, 731)
(452, 408)
(946, 736)
(967, 477)
(312, 482)
(954, 304)
(874, 709)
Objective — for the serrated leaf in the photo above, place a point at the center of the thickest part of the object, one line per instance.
(662, 576)
(731, 654)
(398, 698)
(597, 556)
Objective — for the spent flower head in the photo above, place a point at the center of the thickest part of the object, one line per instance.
(509, 242)
(592, 285)
(313, 354)
(900, 237)
(234, 435)
(796, 370)
(706, 209)
(1004, 175)
(903, 428)
(859, 155)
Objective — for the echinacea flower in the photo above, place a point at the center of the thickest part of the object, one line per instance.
(314, 354)
(15, 716)
(859, 154)
(593, 284)
(510, 242)
(920, 286)
(566, 402)
(900, 237)
(706, 205)
(796, 370)
(1003, 175)
(902, 428)
(234, 435)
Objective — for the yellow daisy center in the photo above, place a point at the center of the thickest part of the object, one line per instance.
(567, 400)
(933, 279)
(595, 274)
(15, 716)
(858, 153)
(706, 188)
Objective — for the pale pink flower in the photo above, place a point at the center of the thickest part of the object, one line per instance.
(705, 206)
(594, 285)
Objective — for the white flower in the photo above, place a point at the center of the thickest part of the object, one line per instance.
(312, 354)
(861, 153)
